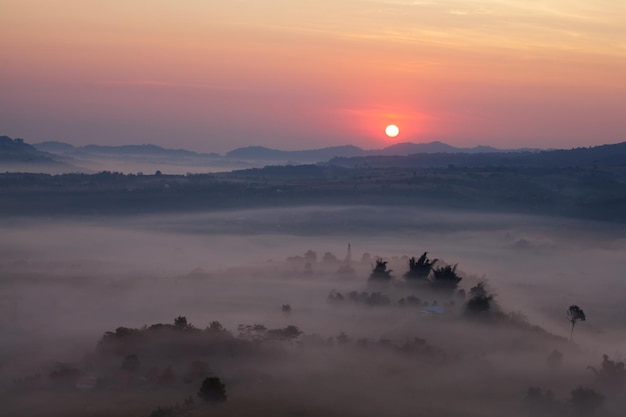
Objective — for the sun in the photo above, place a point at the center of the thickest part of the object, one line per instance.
(392, 131)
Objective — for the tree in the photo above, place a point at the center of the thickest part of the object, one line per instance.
(574, 314)
(611, 375)
(480, 299)
(212, 390)
(380, 271)
(180, 322)
(329, 258)
(285, 334)
(252, 332)
(445, 278)
(420, 268)
(216, 326)
(310, 256)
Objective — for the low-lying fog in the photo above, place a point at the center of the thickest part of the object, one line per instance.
(64, 284)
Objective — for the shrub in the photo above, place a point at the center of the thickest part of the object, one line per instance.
(212, 390)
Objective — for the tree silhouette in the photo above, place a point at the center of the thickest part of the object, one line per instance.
(252, 332)
(310, 256)
(380, 271)
(445, 278)
(286, 334)
(611, 375)
(216, 326)
(480, 299)
(420, 268)
(574, 314)
(212, 390)
(180, 322)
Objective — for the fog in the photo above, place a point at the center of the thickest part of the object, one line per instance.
(65, 283)
(133, 164)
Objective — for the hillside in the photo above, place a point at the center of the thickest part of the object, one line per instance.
(613, 155)
(592, 188)
(17, 151)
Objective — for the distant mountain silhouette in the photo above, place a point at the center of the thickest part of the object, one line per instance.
(408, 148)
(431, 154)
(580, 182)
(17, 151)
(613, 155)
(260, 153)
(122, 150)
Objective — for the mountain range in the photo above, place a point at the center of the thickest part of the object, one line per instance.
(133, 158)
(260, 153)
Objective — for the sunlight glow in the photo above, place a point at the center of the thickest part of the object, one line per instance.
(392, 131)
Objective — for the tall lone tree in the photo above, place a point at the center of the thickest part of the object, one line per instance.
(574, 314)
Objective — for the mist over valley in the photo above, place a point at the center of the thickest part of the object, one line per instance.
(271, 310)
(312, 208)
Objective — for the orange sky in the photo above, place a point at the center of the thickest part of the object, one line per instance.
(212, 76)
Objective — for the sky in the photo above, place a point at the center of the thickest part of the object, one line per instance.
(211, 75)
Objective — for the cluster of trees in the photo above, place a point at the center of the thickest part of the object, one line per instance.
(377, 298)
(260, 333)
(175, 410)
(611, 374)
(444, 278)
(212, 391)
(417, 346)
(583, 401)
(421, 270)
(364, 298)
(183, 337)
(441, 279)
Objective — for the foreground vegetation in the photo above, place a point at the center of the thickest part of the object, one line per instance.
(460, 343)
